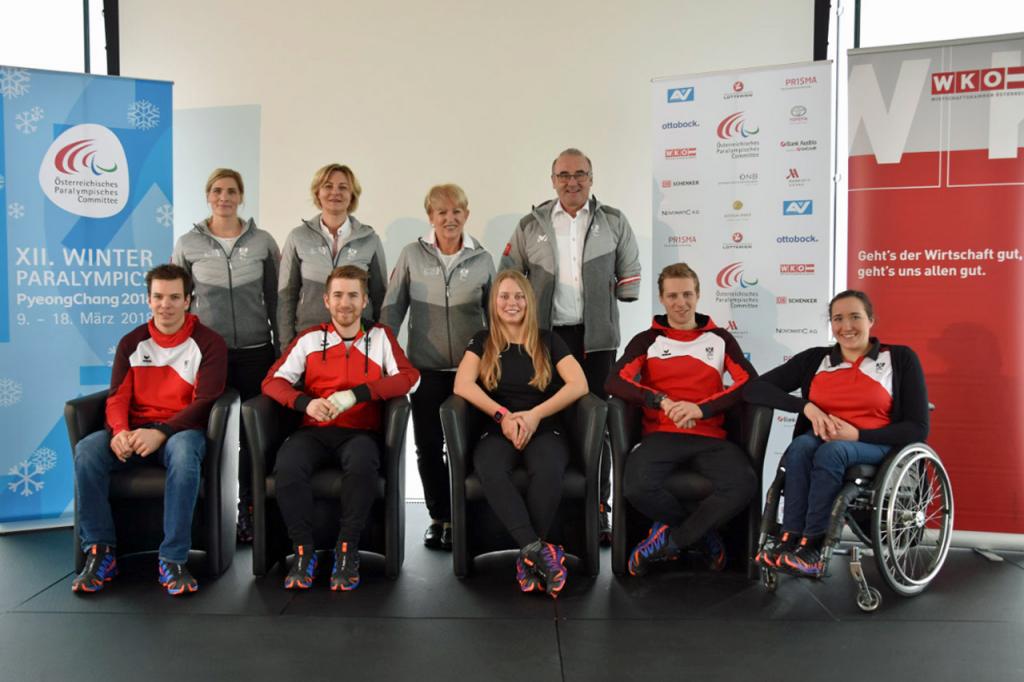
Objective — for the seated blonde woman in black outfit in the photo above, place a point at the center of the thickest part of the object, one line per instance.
(522, 378)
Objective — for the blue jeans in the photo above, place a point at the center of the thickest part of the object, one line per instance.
(181, 454)
(814, 477)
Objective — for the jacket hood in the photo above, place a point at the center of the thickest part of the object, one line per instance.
(704, 323)
(204, 228)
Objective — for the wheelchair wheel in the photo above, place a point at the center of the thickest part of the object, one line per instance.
(869, 600)
(769, 579)
(912, 519)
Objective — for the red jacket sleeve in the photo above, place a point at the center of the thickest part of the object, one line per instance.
(622, 380)
(120, 398)
(399, 377)
(741, 371)
(292, 363)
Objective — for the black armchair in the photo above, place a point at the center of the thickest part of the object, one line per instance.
(267, 424)
(476, 529)
(136, 494)
(746, 425)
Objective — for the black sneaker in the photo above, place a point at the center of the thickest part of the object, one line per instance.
(244, 527)
(806, 561)
(547, 562)
(100, 568)
(432, 537)
(604, 525)
(345, 573)
(303, 571)
(657, 546)
(176, 579)
(714, 550)
(774, 548)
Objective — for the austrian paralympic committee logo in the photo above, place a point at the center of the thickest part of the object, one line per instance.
(85, 172)
(735, 125)
(733, 276)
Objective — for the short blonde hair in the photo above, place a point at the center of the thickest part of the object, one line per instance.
(678, 271)
(320, 177)
(450, 192)
(220, 173)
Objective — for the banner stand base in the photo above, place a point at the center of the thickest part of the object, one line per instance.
(62, 521)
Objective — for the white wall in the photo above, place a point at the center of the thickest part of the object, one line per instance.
(478, 93)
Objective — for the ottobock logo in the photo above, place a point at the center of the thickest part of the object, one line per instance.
(681, 153)
(796, 239)
(798, 207)
(734, 125)
(672, 125)
(978, 80)
(733, 276)
(677, 95)
(796, 268)
(85, 172)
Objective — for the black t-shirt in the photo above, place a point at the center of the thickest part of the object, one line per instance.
(513, 390)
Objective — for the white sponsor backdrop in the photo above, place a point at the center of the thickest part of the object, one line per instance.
(741, 192)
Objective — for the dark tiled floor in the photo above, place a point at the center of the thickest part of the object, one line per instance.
(430, 625)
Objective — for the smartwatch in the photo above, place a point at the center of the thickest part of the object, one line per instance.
(500, 414)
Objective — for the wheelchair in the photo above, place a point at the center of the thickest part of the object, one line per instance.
(901, 508)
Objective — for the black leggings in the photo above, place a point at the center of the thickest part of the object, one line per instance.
(545, 458)
(246, 369)
(315, 447)
(435, 386)
(722, 462)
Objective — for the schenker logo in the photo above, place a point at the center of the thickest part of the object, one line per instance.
(735, 125)
(978, 80)
(85, 172)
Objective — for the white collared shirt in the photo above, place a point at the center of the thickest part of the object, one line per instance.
(567, 308)
(446, 259)
(337, 241)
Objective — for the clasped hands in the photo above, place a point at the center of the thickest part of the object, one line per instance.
(326, 409)
(683, 414)
(829, 427)
(519, 427)
(142, 442)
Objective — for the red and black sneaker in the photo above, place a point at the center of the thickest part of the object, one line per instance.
(303, 571)
(774, 548)
(528, 582)
(176, 579)
(345, 573)
(806, 561)
(657, 546)
(547, 562)
(100, 568)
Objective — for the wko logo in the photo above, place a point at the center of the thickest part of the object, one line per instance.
(681, 153)
(676, 95)
(798, 207)
(735, 125)
(796, 268)
(732, 276)
(85, 172)
(978, 80)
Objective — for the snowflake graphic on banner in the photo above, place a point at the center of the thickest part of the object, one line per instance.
(143, 115)
(43, 458)
(13, 82)
(25, 482)
(2, 182)
(15, 210)
(26, 121)
(10, 392)
(165, 215)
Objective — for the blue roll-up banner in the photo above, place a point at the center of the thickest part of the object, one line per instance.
(85, 186)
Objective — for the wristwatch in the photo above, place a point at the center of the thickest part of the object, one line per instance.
(500, 414)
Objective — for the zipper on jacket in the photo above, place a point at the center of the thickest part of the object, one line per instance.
(231, 283)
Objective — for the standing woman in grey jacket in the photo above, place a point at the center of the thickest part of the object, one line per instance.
(322, 243)
(443, 281)
(234, 266)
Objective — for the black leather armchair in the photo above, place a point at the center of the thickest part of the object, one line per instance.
(476, 529)
(746, 425)
(267, 424)
(137, 494)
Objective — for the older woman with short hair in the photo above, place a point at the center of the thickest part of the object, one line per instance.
(328, 240)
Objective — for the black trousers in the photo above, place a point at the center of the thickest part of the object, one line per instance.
(435, 387)
(246, 369)
(315, 447)
(545, 458)
(596, 366)
(720, 461)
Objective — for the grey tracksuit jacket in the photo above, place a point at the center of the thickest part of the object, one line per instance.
(446, 308)
(236, 292)
(305, 263)
(611, 268)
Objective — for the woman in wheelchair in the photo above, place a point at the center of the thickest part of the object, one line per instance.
(521, 378)
(859, 399)
(674, 370)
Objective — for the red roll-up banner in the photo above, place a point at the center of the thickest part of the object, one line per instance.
(936, 220)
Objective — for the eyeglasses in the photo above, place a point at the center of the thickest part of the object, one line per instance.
(578, 176)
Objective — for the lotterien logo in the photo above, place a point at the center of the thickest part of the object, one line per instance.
(798, 207)
(676, 95)
(85, 172)
(735, 125)
(732, 276)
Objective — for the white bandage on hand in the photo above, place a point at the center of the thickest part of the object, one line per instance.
(342, 400)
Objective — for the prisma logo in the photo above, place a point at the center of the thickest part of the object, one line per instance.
(735, 125)
(798, 207)
(676, 95)
(732, 276)
(978, 80)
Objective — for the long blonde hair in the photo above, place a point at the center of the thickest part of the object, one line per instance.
(498, 340)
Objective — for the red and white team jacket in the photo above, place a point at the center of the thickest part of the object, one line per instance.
(374, 367)
(682, 364)
(168, 380)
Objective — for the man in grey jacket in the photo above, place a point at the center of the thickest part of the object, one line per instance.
(581, 258)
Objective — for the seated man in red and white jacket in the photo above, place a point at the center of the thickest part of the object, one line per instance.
(347, 370)
(166, 376)
(674, 371)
